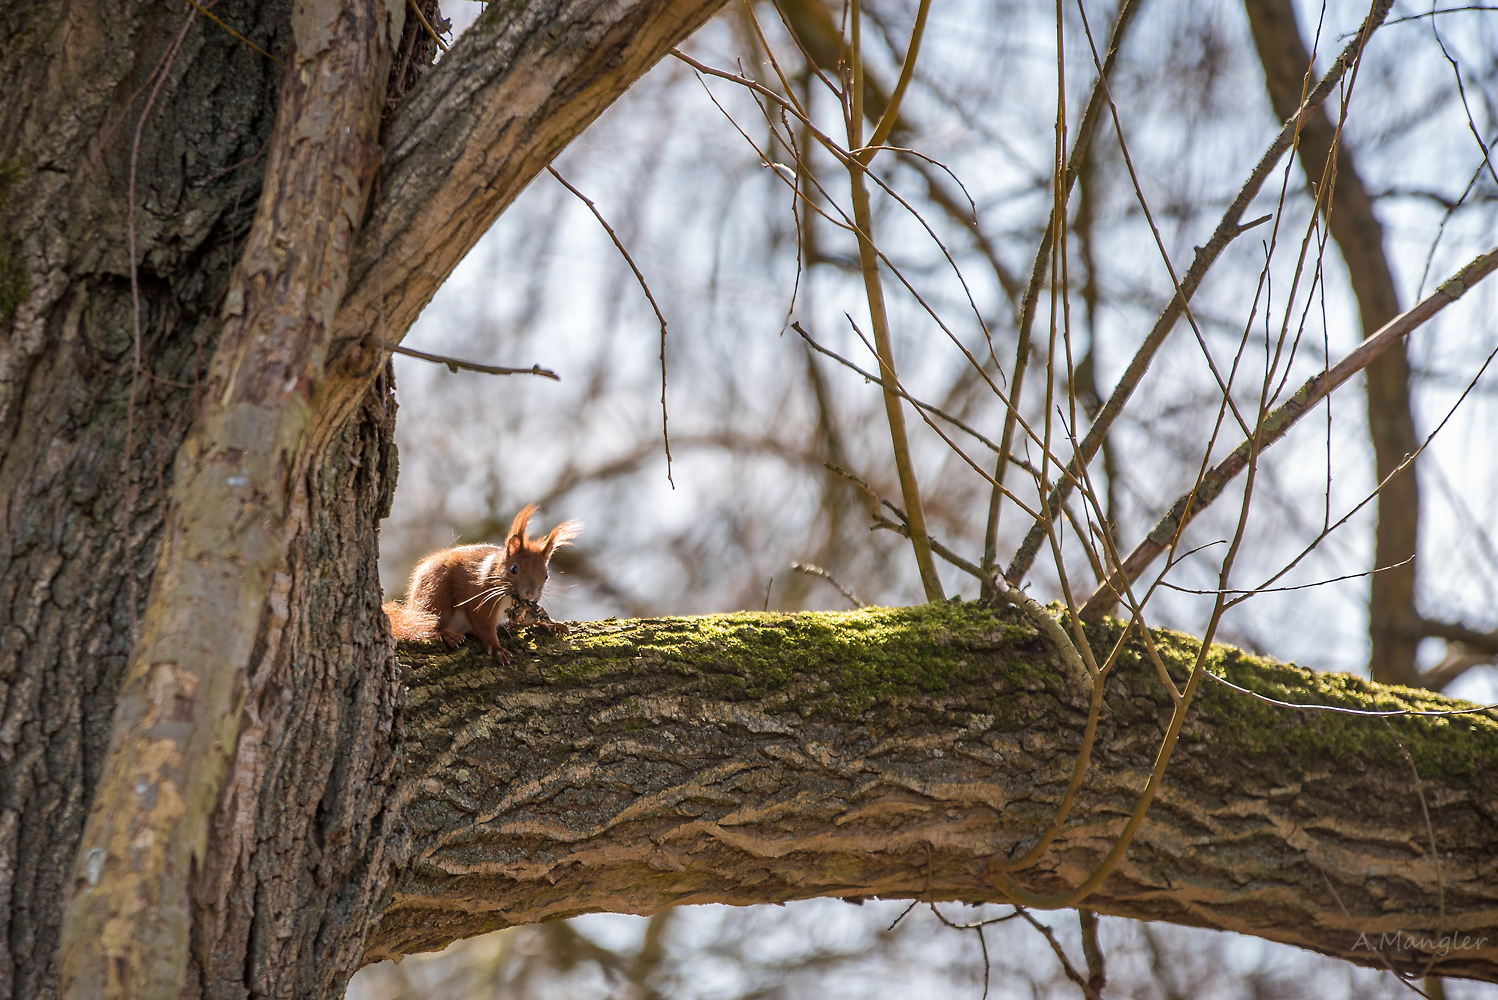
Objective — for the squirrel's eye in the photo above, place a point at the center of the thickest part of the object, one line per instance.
(514, 568)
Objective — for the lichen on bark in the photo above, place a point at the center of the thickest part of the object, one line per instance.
(766, 757)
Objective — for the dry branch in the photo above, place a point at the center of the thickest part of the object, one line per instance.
(1329, 167)
(455, 365)
(1075, 160)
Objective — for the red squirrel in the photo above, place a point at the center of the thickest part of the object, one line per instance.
(464, 590)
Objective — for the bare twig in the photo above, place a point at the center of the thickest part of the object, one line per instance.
(976, 927)
(887, 120)
(1097, 974)
(1343, 710)
(1085, 129)
(416, 6)
(912, 400)
(851, 162)
(206, 13)
(1071, 973)
(456, 364)
(645, 287)
(811, 570)
(1227, 230)
(1274, 426)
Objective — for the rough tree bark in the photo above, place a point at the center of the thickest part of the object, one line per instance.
(756, 758)
(310, 827)
(236, 502)
(1393, 616)
(302, 844)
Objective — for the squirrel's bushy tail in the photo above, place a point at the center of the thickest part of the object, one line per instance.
(410, 624)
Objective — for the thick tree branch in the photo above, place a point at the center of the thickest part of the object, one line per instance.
(759, 758)
(515, 89)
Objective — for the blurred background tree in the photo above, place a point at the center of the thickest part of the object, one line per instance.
(739, 220)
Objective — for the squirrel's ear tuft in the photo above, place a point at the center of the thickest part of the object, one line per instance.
(562, 534)
(519, 525)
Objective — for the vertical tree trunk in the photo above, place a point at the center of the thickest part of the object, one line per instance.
(299, 840)
(306, 833)
(1393, 617)
(304, 839)
(69, 575)
(237, 506)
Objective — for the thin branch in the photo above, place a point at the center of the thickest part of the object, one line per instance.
(1342, 710)
(1097, 973)
(1149, 217)
(206, 13)
(912, 400)
(899, 524)
(907, 70)
(1066, 966)
(849, 161)
(1442, 10)
(415, 6)
(645, 287)
(1227, 230)
(1085, 129)
(863, 219)
(1276, 424)
(1408, 461)
(811, 570)
(456, 364)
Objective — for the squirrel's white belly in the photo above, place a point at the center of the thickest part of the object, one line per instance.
(461, 625)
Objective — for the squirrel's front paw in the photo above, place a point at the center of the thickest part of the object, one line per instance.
(502, 656)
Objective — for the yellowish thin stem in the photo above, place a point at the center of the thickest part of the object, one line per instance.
(427, 25)
(887, 120)
(899, 440)
(1072, 897)
(863, 219)
(208, 14)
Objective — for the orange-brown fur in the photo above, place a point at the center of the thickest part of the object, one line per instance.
(464, 590)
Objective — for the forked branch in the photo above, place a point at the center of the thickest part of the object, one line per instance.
(1168, 530)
